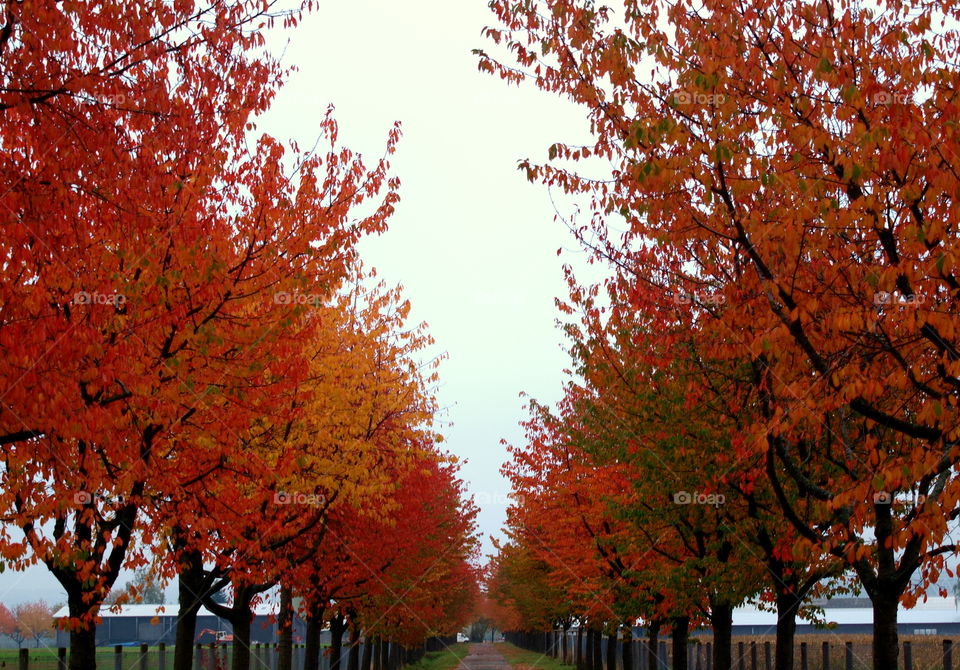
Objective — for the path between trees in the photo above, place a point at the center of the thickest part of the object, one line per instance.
(484, 656)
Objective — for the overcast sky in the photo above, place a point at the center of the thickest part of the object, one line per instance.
(472, 242)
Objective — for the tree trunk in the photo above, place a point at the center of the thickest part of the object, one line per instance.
(83, 646)
(190, 588)
(612, 650)
(588, 655)
(353, 658)
(578, 659)
(721, 618)
(365, 661)
(787, 606)
(653, 635)
(241, 640)
(679, 629)
(285, 627)
(337, 626)
(627, 647)
(311, 647)
(597, 649)
(886, 645)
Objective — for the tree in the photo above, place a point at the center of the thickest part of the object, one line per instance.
(35, 619)
(800, 191)
(171, 264)
(10, 626)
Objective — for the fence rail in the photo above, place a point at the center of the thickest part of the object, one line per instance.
(837, 653)
(214, 656)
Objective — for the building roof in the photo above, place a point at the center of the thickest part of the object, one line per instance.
(169, 609)
(933, 611)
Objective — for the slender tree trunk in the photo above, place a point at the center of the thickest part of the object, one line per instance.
(337, 626)
(627, 647)
(597, 649)
(353, 658)
(886, 644)
(612, 649)
(721, 618)
(653, 635)
(365, 661)
(787, 606)
(384, 658)
(311, 650)
(190, 587)
(579, 651)
(285, 626)
(241, 639)
(679, 629)
(588, 660)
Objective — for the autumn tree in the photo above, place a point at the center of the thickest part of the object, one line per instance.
(34, 619)
(10, 627)
(138, 316)
(797, 160)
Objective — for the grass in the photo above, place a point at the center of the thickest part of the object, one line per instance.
(448, 659)
(521, 659)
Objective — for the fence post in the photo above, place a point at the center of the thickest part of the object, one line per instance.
(803, 656)
(826, 656)
(709, 656)
(144, 650)
(741, 660)
(24, 658)
(767, 659)
(62, 658)
(118, 657)
(198, 657)
(162, 656)
(907, 656)
(948, 655)
(849, 650)
(753, 655)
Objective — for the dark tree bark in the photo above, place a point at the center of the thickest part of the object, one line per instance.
(337, 627)
(311, 650)
(612, 650)
(679, 629)
(653, 635)
(285, 628)
(353, 657)
(627, 647)
(721, 619)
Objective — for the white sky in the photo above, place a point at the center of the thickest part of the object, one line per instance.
(473, 243)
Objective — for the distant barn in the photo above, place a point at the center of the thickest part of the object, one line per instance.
(153, 624)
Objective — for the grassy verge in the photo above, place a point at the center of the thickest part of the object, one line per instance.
(521, 659)
(448, 659)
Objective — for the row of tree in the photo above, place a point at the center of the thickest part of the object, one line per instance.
(198, 374)
(27, 620)
(762, 400)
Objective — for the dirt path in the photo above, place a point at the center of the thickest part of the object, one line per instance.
(484, 656)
